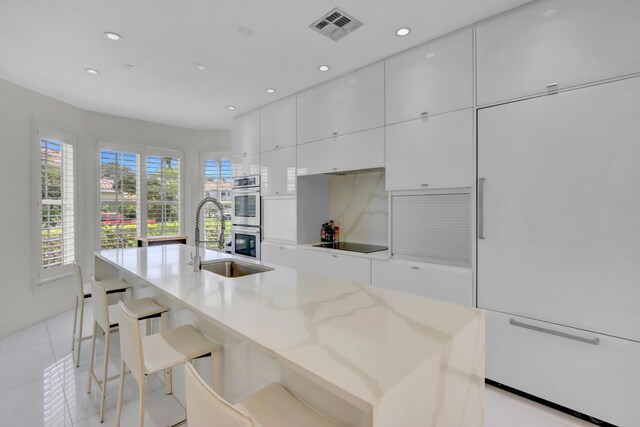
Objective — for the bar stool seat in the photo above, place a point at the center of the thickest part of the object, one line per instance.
(83, 292)
(175, 346)
(273, 406)
(159, 352)
(107, 318)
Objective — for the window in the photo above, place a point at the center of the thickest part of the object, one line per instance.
(55, 200)
(119, 199)
(163, 195)
(140, 194)
(217, 183)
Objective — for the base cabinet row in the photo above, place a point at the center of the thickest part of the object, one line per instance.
(591, 373)
(447, 283)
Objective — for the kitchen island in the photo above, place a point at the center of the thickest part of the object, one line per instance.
(364, 356)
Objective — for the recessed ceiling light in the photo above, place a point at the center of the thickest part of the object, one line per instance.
(112, 36)
(199, 66)
(127, 66)
(550, 12)
(231, 107)
(404, 31)
(92, 71)
(324, 68)
(430, 55)
(270, 90)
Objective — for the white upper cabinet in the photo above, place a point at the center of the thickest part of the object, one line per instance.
(246, 164)
(554, 45)
(434, 152)
(278, 124)
(356, 151)
(431, 79)
(278, 172)
(245, 134)
(351, 103)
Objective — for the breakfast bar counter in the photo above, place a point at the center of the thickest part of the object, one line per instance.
(400, 359)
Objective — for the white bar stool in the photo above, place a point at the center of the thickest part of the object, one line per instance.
(107, 318)
(158, 352)
(83, 292)
(273, 406)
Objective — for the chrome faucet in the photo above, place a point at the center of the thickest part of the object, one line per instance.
(197, 260)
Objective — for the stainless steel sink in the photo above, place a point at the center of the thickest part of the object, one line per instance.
(233, 268)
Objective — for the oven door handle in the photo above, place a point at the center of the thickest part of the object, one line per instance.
(246, 230)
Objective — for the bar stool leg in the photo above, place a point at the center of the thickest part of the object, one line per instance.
(93, 353)
(123, 366)
(141, 410)
(75, 321)
(105, 376)
(168, 385)
(79, 336)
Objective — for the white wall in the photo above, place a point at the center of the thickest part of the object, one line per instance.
(21, 302)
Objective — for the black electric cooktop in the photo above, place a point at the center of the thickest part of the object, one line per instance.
(353, 247)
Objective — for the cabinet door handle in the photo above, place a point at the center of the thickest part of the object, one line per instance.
(335, 256)
(424, 185)
(552, 85)
(334, 133)
(594, 341)
(334, 169)
(277, 146)
(415, 268)
(424, 113)
(481, 208)
(277, 192)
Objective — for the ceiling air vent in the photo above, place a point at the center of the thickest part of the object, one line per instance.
(336, 24)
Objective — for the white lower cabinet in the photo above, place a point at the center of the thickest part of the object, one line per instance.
(447, 283)
(280, 254)
(355, 151)
(338, 266)
(591, 373)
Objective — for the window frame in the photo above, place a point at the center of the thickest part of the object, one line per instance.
(41, 276)
(143, 151)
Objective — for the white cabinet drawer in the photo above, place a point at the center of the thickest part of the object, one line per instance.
(248, 164)
(452, 284)
(245, 134)
(568, 42)
(350, 103)
(275, 253)
(599, 380)
(435, 152)
(278, 124)
(434, 78)
(338, 266)
(356, 151)
(278, 172)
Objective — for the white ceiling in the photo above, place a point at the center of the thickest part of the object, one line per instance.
(45, 45)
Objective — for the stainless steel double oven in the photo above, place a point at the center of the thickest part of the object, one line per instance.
(246, 217)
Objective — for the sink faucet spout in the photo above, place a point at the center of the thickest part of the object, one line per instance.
(197, 260)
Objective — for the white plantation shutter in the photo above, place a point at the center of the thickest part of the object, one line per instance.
(217, 184)
(119, 187)
(55, 215)
(163, 195)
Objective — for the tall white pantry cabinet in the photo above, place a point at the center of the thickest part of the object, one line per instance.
(558, 255)
(554, 94)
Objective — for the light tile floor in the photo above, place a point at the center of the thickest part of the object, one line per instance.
(40, 386)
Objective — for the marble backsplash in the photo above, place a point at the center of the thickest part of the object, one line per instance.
(359, 204)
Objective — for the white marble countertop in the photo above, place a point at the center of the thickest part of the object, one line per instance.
(358, 341)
